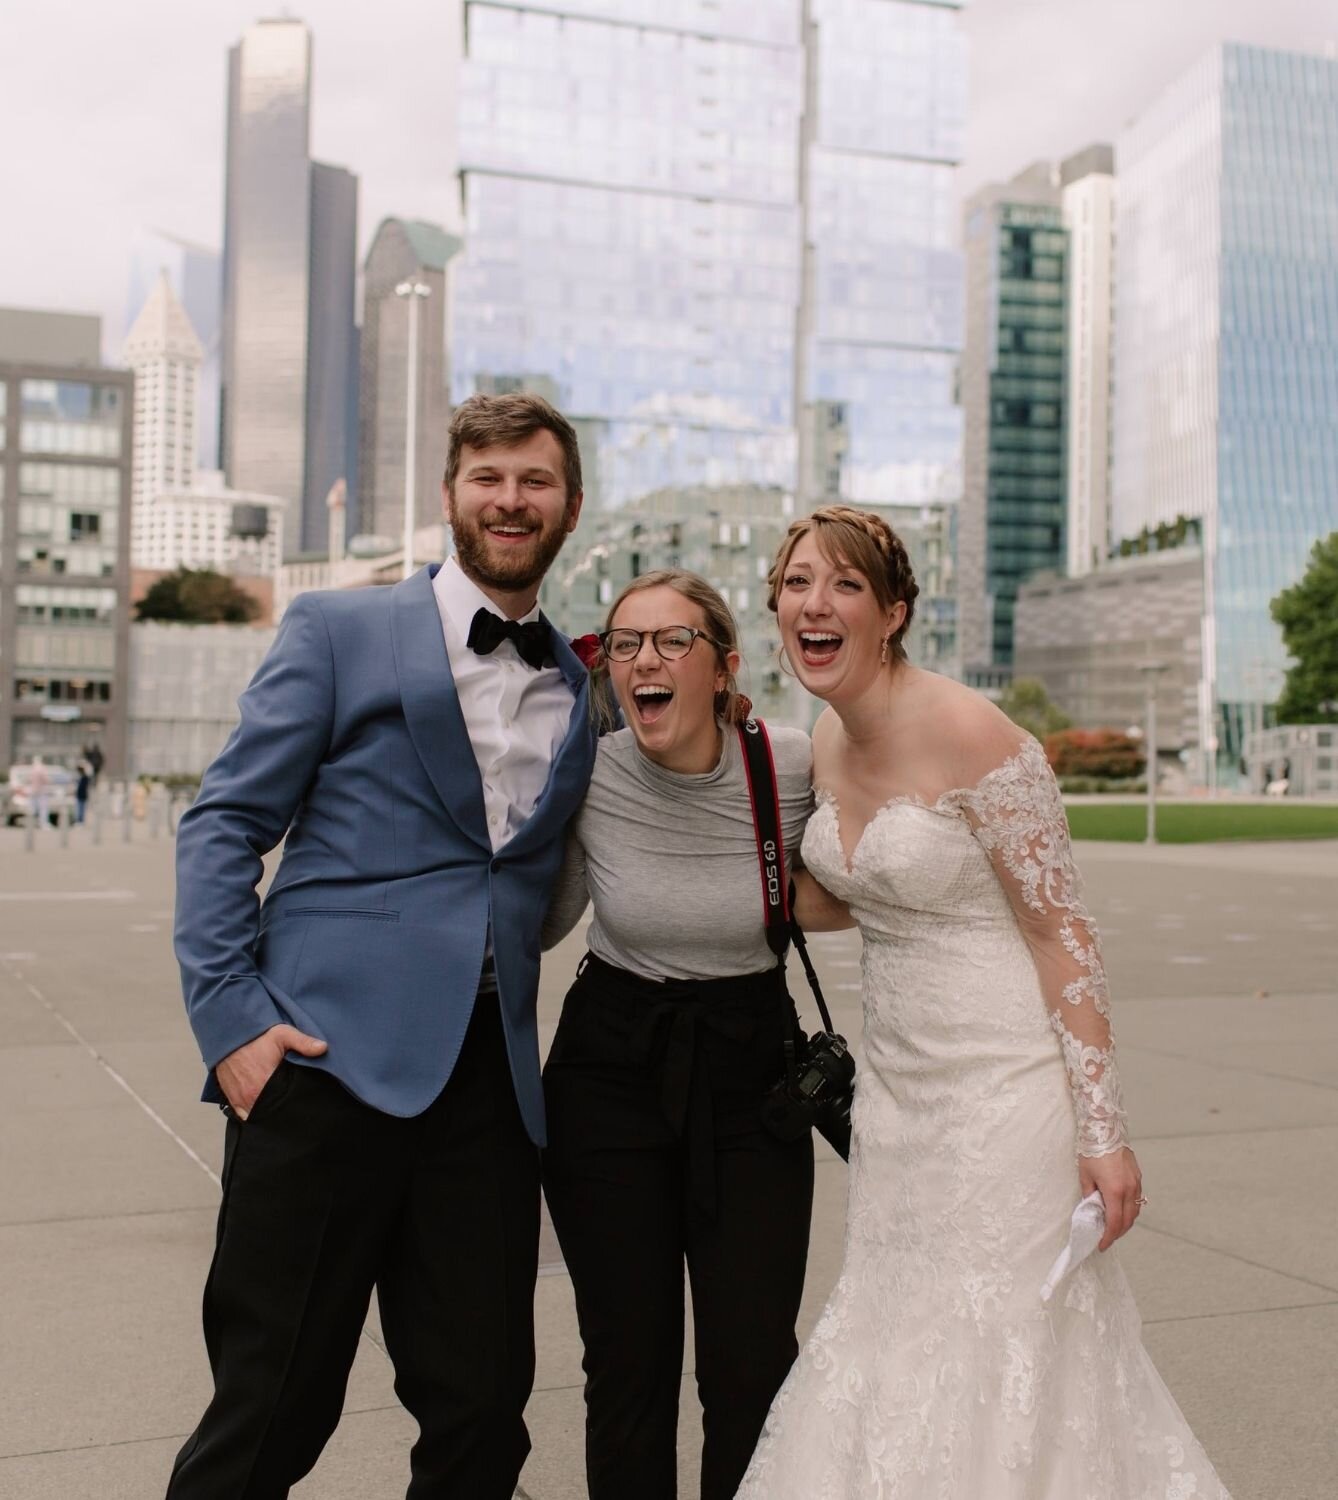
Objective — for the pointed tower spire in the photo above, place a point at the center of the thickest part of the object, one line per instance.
(164, 351)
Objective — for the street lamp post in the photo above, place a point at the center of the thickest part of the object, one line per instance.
(414, 291)
(1151, 671)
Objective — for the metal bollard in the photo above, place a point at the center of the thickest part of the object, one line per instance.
(63, 823)
(126, 814)
(29, 828)
(95, 811)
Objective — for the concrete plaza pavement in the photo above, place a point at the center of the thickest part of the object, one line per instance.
(1224, 963)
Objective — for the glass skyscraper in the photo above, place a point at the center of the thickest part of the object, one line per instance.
(266, 250)
(720, 235)
(1225, 403)
(1013, 504)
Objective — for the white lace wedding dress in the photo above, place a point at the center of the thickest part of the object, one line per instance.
(936, 1372)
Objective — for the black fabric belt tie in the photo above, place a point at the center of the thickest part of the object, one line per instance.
(673, 1029)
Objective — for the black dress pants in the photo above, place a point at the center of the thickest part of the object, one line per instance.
(324, 1198)
(657, 1158)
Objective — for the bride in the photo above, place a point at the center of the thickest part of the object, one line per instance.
(937, 1370)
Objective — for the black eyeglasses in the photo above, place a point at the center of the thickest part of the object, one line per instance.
(670, 641)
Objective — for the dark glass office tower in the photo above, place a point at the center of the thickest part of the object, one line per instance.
(1013, 504)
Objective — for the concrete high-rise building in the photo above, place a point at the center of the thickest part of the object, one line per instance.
(402, 250)
(1087, 196)
(289, 257)
(196, 274)
(30, 335)
(1012, 392)
(208, 525)
(1225, 401)
(165, 356)
(723, 234)
(65, 465)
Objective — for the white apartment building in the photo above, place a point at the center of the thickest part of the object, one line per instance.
(208, 525)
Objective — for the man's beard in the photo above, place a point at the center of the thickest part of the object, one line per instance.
(513, 570)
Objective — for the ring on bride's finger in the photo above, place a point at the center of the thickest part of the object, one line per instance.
(1139, 1202)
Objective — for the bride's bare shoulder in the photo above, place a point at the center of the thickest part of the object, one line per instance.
(970, 735)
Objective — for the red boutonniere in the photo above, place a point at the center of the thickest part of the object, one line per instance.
(589, 650)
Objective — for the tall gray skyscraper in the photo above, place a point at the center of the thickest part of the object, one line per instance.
(289, 255)
(403, 250)
(714, 225)
(332, 348)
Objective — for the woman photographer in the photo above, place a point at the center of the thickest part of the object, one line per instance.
(670, 1038)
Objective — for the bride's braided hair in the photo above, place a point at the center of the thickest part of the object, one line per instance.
(862, 540)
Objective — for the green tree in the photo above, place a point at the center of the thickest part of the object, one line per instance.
(1308, 614)
(197, 596)
(1027, 703)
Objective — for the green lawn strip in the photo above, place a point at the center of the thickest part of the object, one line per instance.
(1200, 823)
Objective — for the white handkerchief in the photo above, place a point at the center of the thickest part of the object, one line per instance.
(1085, 1230)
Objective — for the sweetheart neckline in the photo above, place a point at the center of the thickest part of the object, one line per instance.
(828, 799)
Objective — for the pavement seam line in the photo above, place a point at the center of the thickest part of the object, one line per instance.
(1184, 1239)
(1208, 1133)
(1228, 1067)
(1238, 1312)
(146, 1107)
(117, 1079)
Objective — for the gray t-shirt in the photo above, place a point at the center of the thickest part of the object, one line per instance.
(670, 860)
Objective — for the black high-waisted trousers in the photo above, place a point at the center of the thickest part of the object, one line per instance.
(657, 1158)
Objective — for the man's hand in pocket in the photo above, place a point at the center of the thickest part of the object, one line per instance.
(243, 1073)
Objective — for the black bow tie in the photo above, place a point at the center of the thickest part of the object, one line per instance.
(487, 631)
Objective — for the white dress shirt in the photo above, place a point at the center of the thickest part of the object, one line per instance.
(517, 718)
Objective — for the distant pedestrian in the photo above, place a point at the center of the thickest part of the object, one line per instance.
(93, 755)
(39, 791)
(81, 786)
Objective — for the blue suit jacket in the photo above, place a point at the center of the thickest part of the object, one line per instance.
(373, 933)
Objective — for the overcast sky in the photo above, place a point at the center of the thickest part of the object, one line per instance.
(113, 115)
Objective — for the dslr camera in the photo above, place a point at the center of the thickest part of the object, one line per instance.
(816, 1091)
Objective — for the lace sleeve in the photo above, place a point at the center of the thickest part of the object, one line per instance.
(1018, 816)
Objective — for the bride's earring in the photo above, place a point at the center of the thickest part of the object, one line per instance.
(882, 655)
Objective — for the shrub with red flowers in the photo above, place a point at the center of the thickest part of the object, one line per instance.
(1095, 752)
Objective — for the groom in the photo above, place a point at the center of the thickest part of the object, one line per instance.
(370, 1030)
